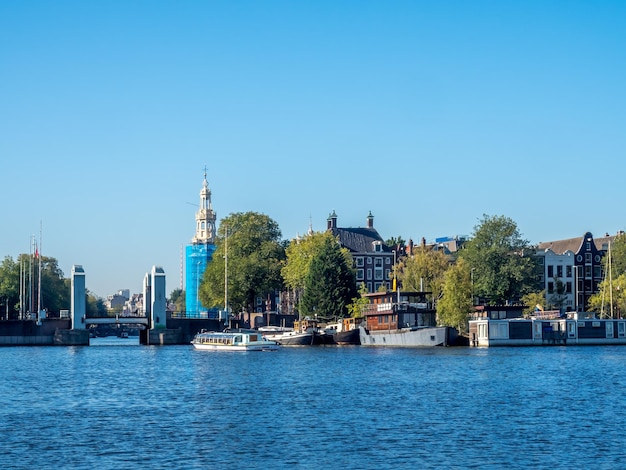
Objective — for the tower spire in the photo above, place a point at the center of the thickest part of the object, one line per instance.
(205, 217)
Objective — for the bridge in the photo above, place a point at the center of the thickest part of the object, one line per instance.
(117, 320)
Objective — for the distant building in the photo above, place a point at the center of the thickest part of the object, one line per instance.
(199, 253)
(373, 259)
(578, 264)
(116, 301)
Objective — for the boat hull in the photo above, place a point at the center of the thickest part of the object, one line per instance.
(409, 337)
(233, 341)
(256, 347)
(293, 338)
(348, 337)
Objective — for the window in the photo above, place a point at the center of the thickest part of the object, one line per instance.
(559, 271)
(359, 261)
(369, 273)
(568, 287)
(588, 258)
(588, 246)
(369, 287)
(550, 271)
(369, 260)
(568, 271)
(387, 274)
(359, 274)
(378, 269)
(550, 287)
(387, 260)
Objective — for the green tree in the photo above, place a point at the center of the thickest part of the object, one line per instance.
(177, 297)
(95, 306)
(330, 284)
(532, 300)
(456, 302)
(255, 258)
(618, 255)
(299, 255)
(359, 303)
(395, 241)
(55, 289)
(503, 265)
(424, 270)
(9, 288)
(611, 293)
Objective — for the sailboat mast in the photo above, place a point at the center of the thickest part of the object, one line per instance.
(31, 253)
(226, 270)
(610, 281)
(39, 272)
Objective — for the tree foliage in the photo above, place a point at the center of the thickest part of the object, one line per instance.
(255, 258)
(177, 297)
(531, 300)
(300, 253)
(330, 284)
(55, 289)
(9, 287)
(395, 242)
(95, 306)
(424, 270)
(456, 302)
(359, 303)
(618, 255)
(610, 301)
(503, 265)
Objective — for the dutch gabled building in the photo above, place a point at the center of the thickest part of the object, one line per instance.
(578, 264)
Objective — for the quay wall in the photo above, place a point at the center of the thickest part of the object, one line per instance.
(29, 333)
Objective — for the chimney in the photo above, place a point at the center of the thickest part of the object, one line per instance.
(370, 220)
(410, 247)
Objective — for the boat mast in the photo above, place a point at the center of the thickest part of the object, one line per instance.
(226, 270)
(39, 272)
(31, 253)
(610, 282)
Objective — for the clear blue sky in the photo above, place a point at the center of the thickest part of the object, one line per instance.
(429, 114)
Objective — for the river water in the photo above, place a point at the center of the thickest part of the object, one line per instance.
(116, 404)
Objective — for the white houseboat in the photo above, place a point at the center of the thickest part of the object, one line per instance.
(546, 328)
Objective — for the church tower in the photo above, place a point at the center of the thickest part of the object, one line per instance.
(205, 217)
(199, 253)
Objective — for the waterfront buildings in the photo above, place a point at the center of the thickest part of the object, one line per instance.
(199, 252)
(573, 269)
(373, 259)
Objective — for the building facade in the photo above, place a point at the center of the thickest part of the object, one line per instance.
(575, 265)
(373, 259)
(199, 253)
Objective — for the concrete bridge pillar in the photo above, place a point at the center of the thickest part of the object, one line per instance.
(157, 298)
(78, 298)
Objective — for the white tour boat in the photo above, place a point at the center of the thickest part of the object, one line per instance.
(233, 341)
